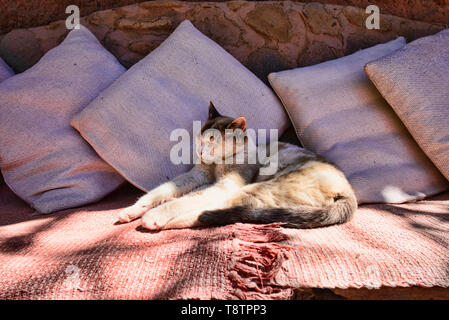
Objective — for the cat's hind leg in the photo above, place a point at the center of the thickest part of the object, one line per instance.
(138, 209)
(184, 212)
(197, 177)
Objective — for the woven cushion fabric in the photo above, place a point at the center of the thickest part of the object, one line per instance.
(338, 113)
(130, 123)
(415, 82)
(43, 159)
(5, 71)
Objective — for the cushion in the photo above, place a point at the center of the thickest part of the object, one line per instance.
(339, 114)
(43, 159)
(5, 71)
(130, 123)
(415, 82)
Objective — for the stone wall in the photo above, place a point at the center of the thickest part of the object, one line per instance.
(264, 36)
(25, 14)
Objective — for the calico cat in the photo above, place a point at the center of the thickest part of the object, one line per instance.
(305, 191)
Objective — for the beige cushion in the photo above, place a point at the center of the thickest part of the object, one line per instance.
(339, 114)
(130, 123)
(44, 160)
(415, 82)
(5, 71)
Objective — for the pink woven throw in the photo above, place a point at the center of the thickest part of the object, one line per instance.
(82, 254)
(383, 246)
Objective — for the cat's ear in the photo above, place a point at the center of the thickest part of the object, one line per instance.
(238, 123)
(213, 113)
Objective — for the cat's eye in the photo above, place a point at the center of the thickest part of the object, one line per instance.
(211, 139)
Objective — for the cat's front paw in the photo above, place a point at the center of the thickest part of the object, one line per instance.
(131, 213)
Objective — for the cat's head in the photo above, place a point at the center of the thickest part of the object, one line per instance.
(221, 137)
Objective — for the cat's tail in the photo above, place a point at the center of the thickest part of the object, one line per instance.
(300, 217)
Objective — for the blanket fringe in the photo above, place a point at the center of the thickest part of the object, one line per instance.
(256, 261)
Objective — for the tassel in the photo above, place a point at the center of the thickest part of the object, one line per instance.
(256, 261)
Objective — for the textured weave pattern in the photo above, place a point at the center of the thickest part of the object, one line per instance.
(384, 245)
(338, 113)
(42, 158)
(82, 254)
(168, 90)
(415, 82)
(5, 71)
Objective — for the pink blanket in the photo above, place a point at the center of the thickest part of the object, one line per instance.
(384, 245)
(82, 254)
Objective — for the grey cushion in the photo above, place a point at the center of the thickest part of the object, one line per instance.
(43, 159)
(415, 82)
(5, 71)
(338, 113)
(130, 123)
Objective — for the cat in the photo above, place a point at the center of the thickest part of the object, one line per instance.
(306, 191)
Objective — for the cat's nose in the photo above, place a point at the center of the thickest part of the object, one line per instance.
(203, 148)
